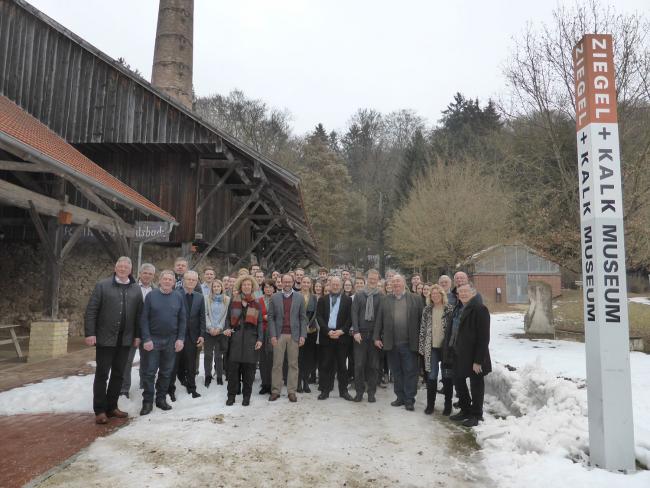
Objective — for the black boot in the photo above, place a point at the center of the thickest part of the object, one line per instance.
(146, 408)
(208, 380)
(163, 405)
(448, 390)
(231, 400)
(305, 386)
(431, 397)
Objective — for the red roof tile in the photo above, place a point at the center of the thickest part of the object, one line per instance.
(21, 126)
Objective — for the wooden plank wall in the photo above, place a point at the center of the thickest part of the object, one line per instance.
(79, 95)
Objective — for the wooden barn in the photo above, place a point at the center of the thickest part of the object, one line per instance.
(502, 272)
(228, 200)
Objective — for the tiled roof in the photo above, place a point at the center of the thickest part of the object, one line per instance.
(18, 124)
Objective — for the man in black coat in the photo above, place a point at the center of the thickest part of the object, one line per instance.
(469, 340)
(111, 324)
(333, 314)
(365, 308)
(194, 335)
(397, 331)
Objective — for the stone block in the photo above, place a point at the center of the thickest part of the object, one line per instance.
(539, 317)
(48, 339)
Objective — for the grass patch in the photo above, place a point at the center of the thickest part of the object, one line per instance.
(568, 314)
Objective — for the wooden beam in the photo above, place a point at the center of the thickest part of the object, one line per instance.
(225, 229)
(78, 232)
(219, 163)
(42, 233)
(256, 242)
(18, 196)
(90, 194)
(245, 220)
(105, 243)
(239, 187)
(262, 217)
(26, 167)
(244, 177)
(275, 247)
(214, 190)
(286, 252)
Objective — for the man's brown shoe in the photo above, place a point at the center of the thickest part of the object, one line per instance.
(101, 418)
(292, 397)
(274, 397)
(117, 413)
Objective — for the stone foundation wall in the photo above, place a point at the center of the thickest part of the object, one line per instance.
(23, 269)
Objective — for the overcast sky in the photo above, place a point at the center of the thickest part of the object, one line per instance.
(324, 59)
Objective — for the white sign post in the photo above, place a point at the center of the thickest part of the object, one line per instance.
(609, 392)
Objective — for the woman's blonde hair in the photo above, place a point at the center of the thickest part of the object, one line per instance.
(440, 290)
(212, 295)
(241, 279)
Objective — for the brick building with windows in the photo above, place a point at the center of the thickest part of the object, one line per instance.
(501, 273)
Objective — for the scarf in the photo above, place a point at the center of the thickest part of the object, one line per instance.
(370, 304)
(252, 310)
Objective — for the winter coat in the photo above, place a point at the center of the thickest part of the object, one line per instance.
(243, 338)
(104, 312)
(195, 317)
(385, 326)
(310, 311)
(343, 319)
(473, 339)
(426, 333)
(359, 322)
(297, 317)
(212, 322)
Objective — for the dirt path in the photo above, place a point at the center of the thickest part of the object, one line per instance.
(201, 442)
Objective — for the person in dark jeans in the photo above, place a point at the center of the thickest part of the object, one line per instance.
(163, 323)
(397, 331)
(365, 307)
(470, 338)
(111, 325)
(194, 334)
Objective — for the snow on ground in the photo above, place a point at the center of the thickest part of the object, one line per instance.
(201, 442)
(537, 430)
(641, 300)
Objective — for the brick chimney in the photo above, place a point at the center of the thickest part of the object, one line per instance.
(173, 52)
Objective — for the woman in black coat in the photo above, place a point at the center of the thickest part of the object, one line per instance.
(244, 327)
(470, 337)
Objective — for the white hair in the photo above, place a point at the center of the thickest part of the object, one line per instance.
(191, 272)
(399, 277)
(147, 267)
(125, 259)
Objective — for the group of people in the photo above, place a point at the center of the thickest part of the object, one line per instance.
(333, 328)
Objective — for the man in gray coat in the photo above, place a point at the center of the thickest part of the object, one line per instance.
(111, 325)
(287, 327)
(397, 330)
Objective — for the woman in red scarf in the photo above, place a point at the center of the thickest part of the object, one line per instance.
(244, 327)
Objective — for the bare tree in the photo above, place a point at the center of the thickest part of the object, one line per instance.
(453, 211)
(540, 163)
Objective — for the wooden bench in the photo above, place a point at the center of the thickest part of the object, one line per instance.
(14, 338)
